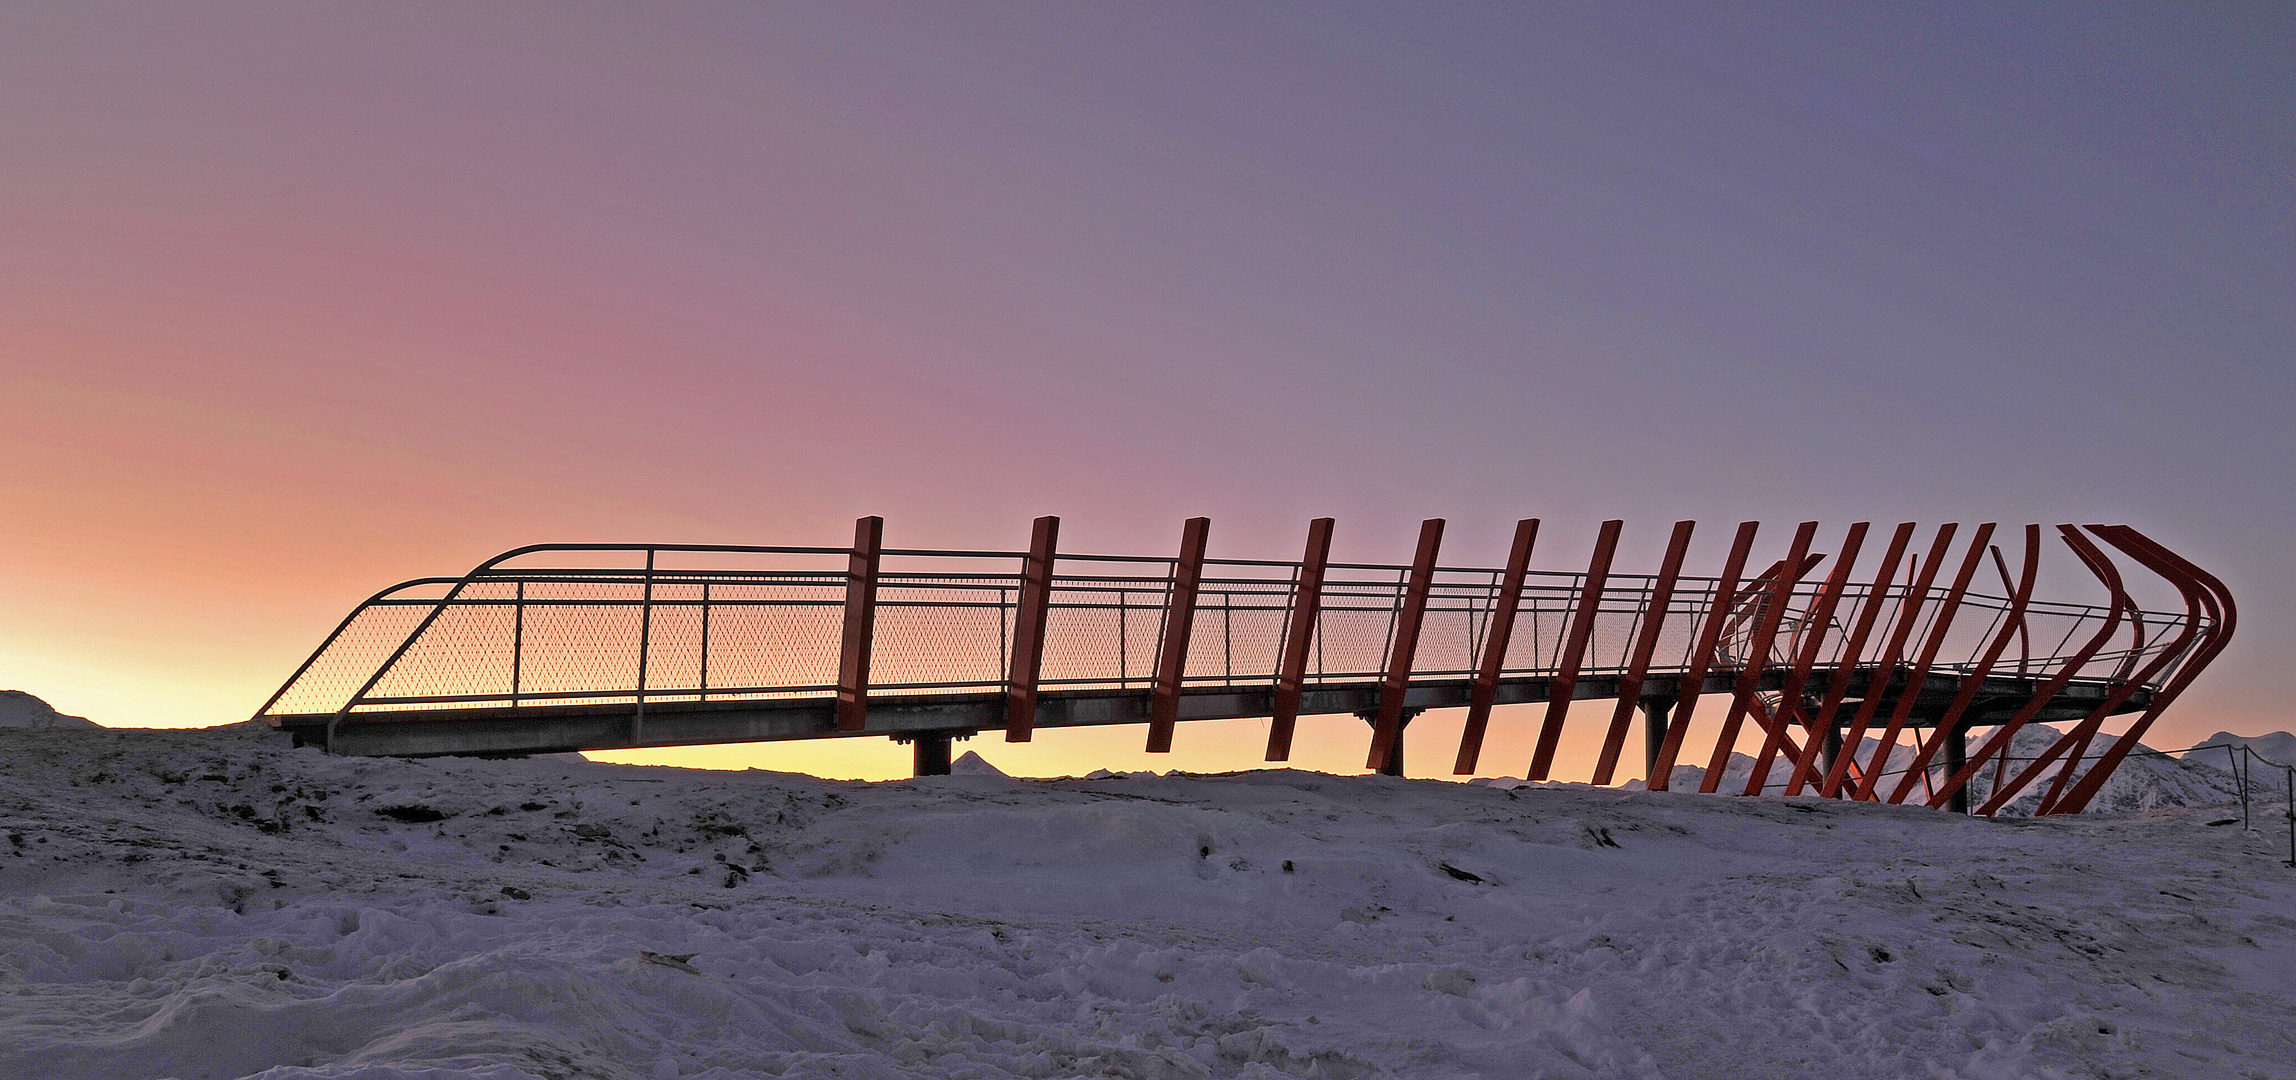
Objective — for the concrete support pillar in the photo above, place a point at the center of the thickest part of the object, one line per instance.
(1656, 714)
(1395, 760)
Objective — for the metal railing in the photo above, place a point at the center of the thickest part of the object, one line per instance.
(655, 625)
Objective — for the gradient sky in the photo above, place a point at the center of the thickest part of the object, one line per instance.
(299, 300)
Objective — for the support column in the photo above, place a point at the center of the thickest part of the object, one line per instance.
(1957, 758)
(1833, 751)
(1394, 761)
(1656, 712)
(931, 751)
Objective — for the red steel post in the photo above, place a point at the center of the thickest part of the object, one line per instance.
(1299, 638)
(1028, 630)
(1909, 608)
(1869, 610)
(2223, 618)
(1565, 681)
(1758, 654)
(860, 624)
(1645, 647)
(1974, 680)
(1693, 681)
(2076, 739)
(1916, 678)
(1813, 639)
(1387, 731)
(2004, 736)
(1179, 619)
(1495, 641)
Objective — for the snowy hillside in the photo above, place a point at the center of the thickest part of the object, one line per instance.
(211, 904)
(21, 710)
(2145, 781)
(2278, 747)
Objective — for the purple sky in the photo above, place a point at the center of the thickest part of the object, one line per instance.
(296, 301)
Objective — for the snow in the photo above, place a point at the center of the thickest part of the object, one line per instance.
(21, 710)
(216, 904)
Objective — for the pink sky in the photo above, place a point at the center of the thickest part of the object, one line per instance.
(297, 302)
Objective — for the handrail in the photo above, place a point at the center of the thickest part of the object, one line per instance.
(510, 635)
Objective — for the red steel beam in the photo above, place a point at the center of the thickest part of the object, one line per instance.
(1909, 608)
(860, 624)
(1299, 638)
(2076, 742)
(1565, 681)
(1387, 731)
(1645, 646)
(2076, 739)
(1495, 641)
(1028, 630)
(1758, 653)
(2223, 618)
(1939, 625)
(1821, 618)
(1974, 681)
(2004, 737)
(1693, 681)
(1179, 620)
(1805, 764)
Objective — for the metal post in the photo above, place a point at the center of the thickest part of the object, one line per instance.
(1565, 681)
(517, 642)
(1693, 680)
(1645, 647)
(1387, 732)
(1791, 700)
(645, 638)
(1179, 620)
(705, 641)
(1028, 630)
(2291, 815)
(1956, 759)
(1495, 643)
(1393, 766)
(860, 624)
(1767, 616)
(1299, 633)
(1654, 714)
(2237, 778)
(930, 753)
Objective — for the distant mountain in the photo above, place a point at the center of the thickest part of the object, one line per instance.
(21, 710)
(2278, 747)
(2146, 781)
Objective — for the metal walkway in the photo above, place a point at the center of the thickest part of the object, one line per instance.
(613, 646)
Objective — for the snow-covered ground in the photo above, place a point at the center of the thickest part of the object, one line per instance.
(213, 904)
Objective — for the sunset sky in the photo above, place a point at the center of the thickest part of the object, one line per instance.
(300, 300)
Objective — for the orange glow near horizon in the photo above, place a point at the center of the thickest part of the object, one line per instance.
(295, 304)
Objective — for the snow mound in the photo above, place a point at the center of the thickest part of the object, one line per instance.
(972, 764)
(21, 710)
(205, 904)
